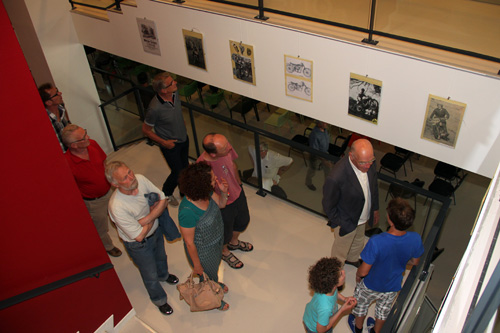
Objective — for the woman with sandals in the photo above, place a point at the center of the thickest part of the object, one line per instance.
(200, 220)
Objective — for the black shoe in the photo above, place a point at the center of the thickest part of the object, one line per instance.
(354, 263)
(115, 252)
(311, 187)
(172, 279)
(166, 309)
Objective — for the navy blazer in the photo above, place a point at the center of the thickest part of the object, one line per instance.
(343, 197)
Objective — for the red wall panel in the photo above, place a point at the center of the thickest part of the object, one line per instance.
(47, 233)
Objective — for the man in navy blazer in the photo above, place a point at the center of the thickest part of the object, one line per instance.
(350, 200)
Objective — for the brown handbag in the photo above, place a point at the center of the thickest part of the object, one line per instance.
(202, 296)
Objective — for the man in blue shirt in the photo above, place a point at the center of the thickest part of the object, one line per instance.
(385, 257)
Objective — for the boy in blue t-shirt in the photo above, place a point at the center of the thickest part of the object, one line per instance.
(321, 312)
(385, 257)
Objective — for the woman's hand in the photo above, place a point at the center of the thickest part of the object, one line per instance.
(198, 269)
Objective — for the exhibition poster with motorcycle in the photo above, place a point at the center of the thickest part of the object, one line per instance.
(443, 120)
(364, 97)
(242, 61)
(298, 78)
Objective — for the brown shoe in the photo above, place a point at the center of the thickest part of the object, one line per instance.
(115, 252)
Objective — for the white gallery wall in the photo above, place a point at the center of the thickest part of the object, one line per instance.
(406, 81)
(67, 63)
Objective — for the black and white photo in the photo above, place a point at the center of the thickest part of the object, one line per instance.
(364, 97)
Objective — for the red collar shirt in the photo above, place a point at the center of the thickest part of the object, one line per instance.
(89, 174)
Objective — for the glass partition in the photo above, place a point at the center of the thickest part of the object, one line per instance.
(468, 25)
(354, 13)
(123, 119)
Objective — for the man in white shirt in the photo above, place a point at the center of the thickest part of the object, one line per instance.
(273, 165)
(137, 225)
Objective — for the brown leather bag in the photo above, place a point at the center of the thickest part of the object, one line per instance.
(202, 296)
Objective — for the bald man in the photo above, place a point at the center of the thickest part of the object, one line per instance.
(220, 155)
(350, 200)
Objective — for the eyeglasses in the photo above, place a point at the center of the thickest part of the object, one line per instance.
(56, 94)
(368, 162)
(82, 139)
(168, 85)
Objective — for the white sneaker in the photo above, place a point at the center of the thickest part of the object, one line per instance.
(172, 201)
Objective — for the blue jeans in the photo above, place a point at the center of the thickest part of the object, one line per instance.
(177, 160)
(151, 259)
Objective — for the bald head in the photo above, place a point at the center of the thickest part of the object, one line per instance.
(361, 154)
(216, 145)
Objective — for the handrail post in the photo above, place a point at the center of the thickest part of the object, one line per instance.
(117, 4)
(72, 5)
(258, 164)
(261, 15)
(178, 1)
(370, 40)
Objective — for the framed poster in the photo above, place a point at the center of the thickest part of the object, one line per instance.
(443, 119)
(364, 97)
(194, 48)
(298, 78)
(149, 36)
(242, 61)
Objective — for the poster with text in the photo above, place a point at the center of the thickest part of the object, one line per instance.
(149, 36)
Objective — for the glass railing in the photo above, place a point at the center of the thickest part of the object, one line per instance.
(123, 115)
(465, 27)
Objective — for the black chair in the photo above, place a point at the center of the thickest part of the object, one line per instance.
(446, 188)
(402, 153)
(338, 150)
(392, 163)
(396, 191)
(303, 140)
(244, 106)
(446, 172)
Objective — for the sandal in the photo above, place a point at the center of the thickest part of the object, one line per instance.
(242, 246)
(224, 287)
(223, 306)
(232, 261)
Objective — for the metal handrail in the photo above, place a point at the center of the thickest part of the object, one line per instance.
(370, 31)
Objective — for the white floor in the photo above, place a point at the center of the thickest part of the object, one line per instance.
(271, 291)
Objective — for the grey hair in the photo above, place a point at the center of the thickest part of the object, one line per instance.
(111, 167)
(159, 81)
(67, 134)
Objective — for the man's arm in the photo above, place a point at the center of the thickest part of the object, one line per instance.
(148, 131)
(362, 271)
(156, 210)
(236, 173)
(331, 198)
(414, 261)
(144, 232)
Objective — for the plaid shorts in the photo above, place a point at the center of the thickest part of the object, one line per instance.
(366, 296)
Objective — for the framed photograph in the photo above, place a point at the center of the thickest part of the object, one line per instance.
(298, 78)
(364, 97)
(298, 67)
(242, 61)
(443, 119)
(194, 48)
(298, 88)
(149, 36)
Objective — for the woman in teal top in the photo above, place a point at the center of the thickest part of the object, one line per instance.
(200, 220)
(321, 313)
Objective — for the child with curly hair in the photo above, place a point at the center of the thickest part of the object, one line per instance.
(321, 313)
